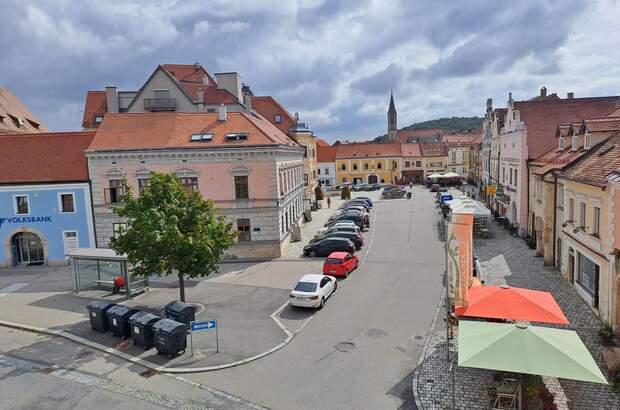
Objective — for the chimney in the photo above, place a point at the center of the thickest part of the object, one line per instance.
(222, 112)
(509, 98)
(230, 82)
(111, 97)
(247, 99)
(489, 105)
(570, 96)
(201, 99)
(543, 92)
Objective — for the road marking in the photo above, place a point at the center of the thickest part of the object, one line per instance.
(372, 237)
(12, 288)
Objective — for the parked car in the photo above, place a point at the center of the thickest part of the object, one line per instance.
(361, 219)
(328, 245)
(355, 207)
(365, 199)
(375, 187)
(354, 237)
(341, 227)
(340, 264)
(344, 223)
(393, 194)
(313, 290)
(359, 203)
(434, 187)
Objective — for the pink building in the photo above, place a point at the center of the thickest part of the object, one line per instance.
(528, 132)
(250, 169)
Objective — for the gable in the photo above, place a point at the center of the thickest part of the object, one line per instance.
(160, 79)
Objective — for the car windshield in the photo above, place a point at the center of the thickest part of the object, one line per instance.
(333, 261)
(305, 287)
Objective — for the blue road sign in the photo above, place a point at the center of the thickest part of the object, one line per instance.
(202, 326)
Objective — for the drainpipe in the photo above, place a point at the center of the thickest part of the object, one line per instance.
(555, 212)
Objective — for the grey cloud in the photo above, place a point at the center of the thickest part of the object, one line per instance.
(377, 83)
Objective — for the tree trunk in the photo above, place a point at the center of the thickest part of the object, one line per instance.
(182, 287)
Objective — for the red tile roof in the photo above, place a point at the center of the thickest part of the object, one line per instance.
(542, 117)
(412, 135)
(173, 130)
(597, 164)
(268, 107)
(411, 150)
(45, 157)
(555, 160)
(460, 139)
(191, 78)
(326, 153)
(15, 117)
(368, 150)
(96, 105)
(320, 142)
(433, 149)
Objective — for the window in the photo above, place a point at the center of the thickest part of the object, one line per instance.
(560, 195)
(243, 229)
(118, 228)
(418, 164)
(587, 276)
(582, 215)
(277, 118)
(201, 137)
(305, 179)
(510, 172)
(142, 183)
(189, 183)
(503, 174)
(453, 156)
(596, 221)
(98, 119)
(561, 144)
(318, 171)
(575, 142)
(22, 207)
(241, 187)
(238, 136)
(314, 173)
(453, 169)
(379, 165)
(161, 93)
(588, 141)
(343, 167)
(115, 191)
(326, 171)
(516, 183)
(407, 164)
(394, 165)
(571, 210)
(365, 165)
(67, 202)
(344, 179)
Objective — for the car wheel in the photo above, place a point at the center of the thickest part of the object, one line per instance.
(322, 303)
(312, 254)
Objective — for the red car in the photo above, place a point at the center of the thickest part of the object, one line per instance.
(340, 264)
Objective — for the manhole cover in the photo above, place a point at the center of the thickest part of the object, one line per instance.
(345, 347)
(376, 333)
(419, 337)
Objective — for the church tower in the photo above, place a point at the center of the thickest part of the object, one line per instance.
(392, 120)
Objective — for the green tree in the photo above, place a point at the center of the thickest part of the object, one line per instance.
(171, 230)
(345, 193)
(318, 193)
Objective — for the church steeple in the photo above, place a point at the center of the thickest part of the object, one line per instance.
(392, 125)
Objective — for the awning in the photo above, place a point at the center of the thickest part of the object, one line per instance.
(505, 302)
(526, 349)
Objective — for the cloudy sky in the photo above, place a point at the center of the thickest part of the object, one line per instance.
(333, 61)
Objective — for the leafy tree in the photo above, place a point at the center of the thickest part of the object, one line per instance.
(449, 124)
(345, 193)
(171, 230)
(318, 193)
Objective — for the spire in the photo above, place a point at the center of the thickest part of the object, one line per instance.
(392, 106)
(392, 128)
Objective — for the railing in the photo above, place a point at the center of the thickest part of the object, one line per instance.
(160, 104)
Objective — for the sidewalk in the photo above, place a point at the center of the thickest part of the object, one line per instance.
(506, 259)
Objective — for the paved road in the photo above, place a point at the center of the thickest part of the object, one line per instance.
(360, 350)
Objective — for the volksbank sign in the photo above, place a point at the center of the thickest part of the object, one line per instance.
(25, 219)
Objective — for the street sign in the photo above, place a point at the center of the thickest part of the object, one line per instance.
(203, 326)
(491, 190)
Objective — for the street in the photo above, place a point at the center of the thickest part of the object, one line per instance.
(358, 352)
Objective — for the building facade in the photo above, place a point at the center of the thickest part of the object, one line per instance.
(368, 163)
(326, 165)
(300, 133)
(45, 202)
(253, 173)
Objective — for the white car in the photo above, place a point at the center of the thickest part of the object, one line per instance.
(313, 290)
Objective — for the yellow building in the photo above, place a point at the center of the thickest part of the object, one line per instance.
(368, 163)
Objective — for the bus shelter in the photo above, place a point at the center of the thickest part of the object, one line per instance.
(96, 268)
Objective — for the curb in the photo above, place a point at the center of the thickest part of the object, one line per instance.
(145, 363)
(416, 372)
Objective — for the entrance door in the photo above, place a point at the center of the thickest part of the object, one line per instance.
(571, 268)
(372, 179)
(28, 249)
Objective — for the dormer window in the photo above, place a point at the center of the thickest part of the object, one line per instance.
(278, 119)
(587, 141)
(575, 142)
(201, 137)
(98, 119)
(239, 136)
(561, 143)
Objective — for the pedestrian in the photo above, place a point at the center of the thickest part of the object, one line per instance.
(329, 202)
(410, 184)
(119, 282)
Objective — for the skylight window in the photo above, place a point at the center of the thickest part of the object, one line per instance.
(237, 136)
(201, 137)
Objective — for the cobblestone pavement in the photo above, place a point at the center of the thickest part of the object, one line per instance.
(507, 259)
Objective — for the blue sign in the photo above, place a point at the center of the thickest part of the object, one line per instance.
(24, 219)
(202, 326)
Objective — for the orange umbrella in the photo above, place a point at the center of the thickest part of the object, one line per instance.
(504, 302)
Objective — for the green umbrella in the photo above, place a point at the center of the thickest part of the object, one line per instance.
(528, 349)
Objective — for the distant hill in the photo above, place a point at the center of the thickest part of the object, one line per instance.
(450, 124)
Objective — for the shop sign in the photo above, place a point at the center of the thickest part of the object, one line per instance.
(25, 219)
(491, 190)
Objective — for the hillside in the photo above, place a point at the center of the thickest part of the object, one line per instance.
(450, 124)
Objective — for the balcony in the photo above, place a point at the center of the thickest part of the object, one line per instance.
(160, 104)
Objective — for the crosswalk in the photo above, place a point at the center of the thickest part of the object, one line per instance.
(12, 288)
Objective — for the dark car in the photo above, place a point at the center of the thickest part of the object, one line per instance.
(367, 200)
(354, 237)
(359, 202)
(393, 194)
(356, 207)
(328, 245)
(340, 227)
(375, 187)
(359, 218)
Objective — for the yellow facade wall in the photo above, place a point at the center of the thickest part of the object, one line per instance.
(348, 170)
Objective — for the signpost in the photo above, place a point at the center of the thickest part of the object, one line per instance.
(203, 326)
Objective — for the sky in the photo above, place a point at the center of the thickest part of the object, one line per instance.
(334, 62)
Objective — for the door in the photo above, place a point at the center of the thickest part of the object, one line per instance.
(28, 249)
(571, 268)
(372, 179)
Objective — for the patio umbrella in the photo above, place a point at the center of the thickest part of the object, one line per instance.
(505, 302)
(451, 175)
(526, 349)
(435, 175)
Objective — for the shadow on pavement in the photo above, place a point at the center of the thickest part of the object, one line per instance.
(296, 313)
